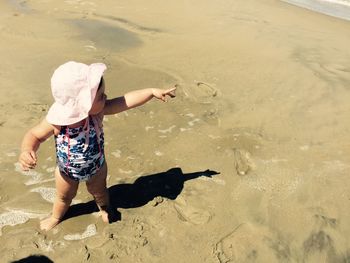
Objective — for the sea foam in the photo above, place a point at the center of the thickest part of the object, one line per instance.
(13, 218)
(90, 231)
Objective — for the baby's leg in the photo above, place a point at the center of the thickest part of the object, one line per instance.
(97, 186)
(66, 190)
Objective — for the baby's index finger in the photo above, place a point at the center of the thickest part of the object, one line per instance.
(171, 92)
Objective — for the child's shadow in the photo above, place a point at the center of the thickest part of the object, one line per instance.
(168, 184)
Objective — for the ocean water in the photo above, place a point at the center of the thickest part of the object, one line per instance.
(336, 8)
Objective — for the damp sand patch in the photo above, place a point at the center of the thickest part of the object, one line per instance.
(20, 6)
(129, 24)
(99, 34)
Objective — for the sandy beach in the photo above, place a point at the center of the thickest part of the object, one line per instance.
(250, 162)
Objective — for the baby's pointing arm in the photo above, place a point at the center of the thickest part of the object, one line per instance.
(136, 98)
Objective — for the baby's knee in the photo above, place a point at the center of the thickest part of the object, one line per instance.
(98, 192)
(65, 198)
(91, 188)
(96, 187)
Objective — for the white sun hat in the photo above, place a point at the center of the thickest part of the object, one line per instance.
(74, 86)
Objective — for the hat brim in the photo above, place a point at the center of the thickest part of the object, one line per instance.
(62, 115)
(96, 71)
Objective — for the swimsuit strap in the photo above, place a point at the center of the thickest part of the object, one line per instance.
(86, 128)
(68, 150)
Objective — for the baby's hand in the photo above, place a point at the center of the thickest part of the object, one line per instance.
(27, 160)
(161, 93)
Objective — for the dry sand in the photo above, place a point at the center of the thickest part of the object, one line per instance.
(263, 103)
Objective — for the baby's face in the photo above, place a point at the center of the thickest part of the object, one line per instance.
(100, 100)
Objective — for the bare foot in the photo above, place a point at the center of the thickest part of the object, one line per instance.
(48, 223)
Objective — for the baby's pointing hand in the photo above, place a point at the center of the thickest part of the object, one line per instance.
(161, 94)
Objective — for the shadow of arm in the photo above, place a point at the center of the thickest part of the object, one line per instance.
(206, 173)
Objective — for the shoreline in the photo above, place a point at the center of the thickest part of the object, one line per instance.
(333, 9)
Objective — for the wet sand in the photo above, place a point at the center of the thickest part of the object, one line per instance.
(249, 163)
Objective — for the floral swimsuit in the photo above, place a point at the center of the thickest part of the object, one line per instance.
(80, 151)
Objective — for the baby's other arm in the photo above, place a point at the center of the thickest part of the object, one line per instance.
(31, 142)
(136, 98)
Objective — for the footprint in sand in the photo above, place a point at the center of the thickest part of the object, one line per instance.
(325, 245)
(190, 214)
(251, 243)
(326, 242)
(242, 161)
